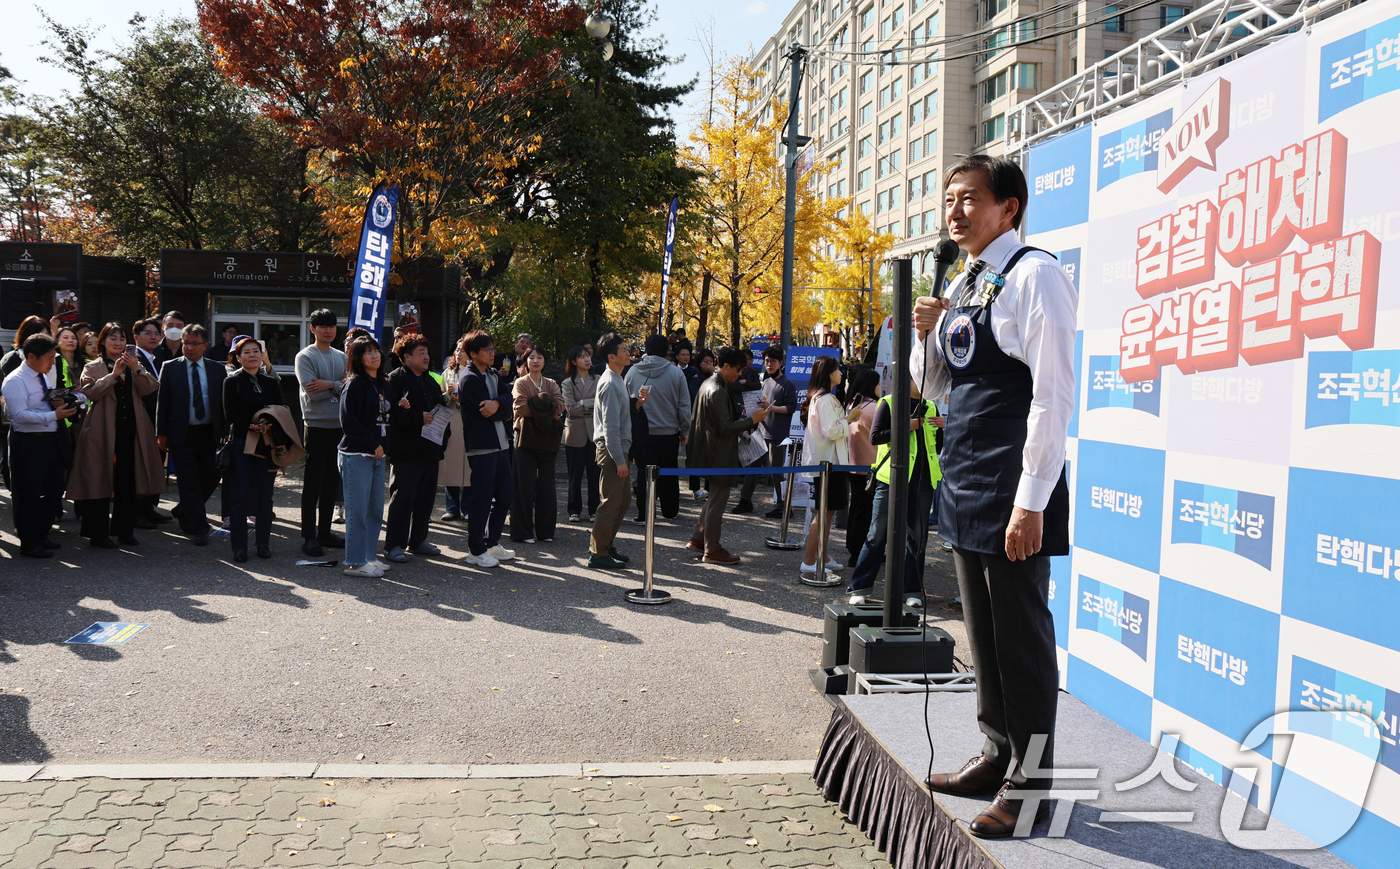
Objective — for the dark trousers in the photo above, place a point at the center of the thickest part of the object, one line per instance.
(102, 517)
(322, 482)
(1012, 637)
(711, 520)
(36, 483)
(250, 481)
(412, 494)
(583, 465)
(872, 554)
(197, 471)
(665, 453)
(491, 493)
(858, 515)
(535, 509)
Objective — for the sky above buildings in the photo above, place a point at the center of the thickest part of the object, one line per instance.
(735, 24)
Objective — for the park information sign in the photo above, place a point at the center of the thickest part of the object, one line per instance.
(1235, 448)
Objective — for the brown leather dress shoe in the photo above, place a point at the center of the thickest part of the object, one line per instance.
(696, 545)
(977, 777)
(720, 556)
(998, 821)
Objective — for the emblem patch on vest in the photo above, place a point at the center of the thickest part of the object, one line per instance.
(961, 342)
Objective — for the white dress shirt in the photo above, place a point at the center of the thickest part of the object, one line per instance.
(24, 399)
(1033, 320)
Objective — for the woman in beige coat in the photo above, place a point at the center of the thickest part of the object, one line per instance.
(116, 460)
(539, 407)
(454, 471)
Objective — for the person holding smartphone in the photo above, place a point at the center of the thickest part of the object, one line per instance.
(245, 393)
(116, 462)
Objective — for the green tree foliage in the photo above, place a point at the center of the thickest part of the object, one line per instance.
(607, 166)
(169, 153)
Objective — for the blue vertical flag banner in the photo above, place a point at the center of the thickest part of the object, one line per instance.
(666, 262)
(374, 260)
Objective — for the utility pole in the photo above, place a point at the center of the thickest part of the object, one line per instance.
(796, 57)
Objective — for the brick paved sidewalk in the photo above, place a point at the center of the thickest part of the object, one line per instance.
(693, 822)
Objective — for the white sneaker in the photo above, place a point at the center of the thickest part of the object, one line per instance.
(368, 570)
(856, 599)
(834, 566)
(485, 559)
(573, 517)
(914, 602)
(807, 568)
(947, 547)
(529, 540)
(500, 553)
(383, 566)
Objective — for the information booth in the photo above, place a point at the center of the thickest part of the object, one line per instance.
(271, 296)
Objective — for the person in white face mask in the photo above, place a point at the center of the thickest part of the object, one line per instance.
(172, 323)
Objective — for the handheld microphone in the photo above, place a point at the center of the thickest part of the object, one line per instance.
(943, 259)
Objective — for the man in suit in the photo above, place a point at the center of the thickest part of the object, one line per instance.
(149, 339)
(189, 423)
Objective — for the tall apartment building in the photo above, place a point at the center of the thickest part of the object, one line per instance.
(894, 119)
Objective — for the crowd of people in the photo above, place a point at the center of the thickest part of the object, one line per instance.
(103, 418)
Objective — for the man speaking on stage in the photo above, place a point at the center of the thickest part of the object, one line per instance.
(1002, 345)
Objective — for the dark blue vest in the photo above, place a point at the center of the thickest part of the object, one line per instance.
(985, 433)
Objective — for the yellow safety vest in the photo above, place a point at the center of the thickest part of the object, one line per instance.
(882, 462)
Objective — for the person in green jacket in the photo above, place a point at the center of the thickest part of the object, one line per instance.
(924, 475)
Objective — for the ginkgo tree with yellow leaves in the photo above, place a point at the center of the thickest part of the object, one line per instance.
(741, 198)
(856, 246)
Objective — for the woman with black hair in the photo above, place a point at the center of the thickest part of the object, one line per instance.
(364, 425)
(580, 389)
(245, 393)
(116, 460)
(827, 426)
(862, 395)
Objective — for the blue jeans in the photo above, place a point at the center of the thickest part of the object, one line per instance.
(454, 499)
(872, 554)
(251, 480)
(492, 490)
(363, 479)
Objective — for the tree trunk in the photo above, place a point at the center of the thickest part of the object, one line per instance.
(593, 303)
(735, 321)
(701, 330)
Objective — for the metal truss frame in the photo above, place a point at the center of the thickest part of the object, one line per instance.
(913, 683)
(1215, 33)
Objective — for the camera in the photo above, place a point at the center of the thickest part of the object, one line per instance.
(71, 397)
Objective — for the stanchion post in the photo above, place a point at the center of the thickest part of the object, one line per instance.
(827, 579)
(899, 445)
(781, 541)
(647, 594)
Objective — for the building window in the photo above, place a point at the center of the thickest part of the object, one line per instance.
(993, 88)
(997, 41)
(838, 100)
(867, 79)
(862, 179)
(917, 5)
(1117, 24)
(884, 96)
(897, 89)
(864, 148)
(867, 16)
(897, 17)
(884, 133)
(930, 221)
(1172, 14)
(896, 125)
(883, 167)
(1025, 76)
(930, 143)
(916, 188)
(865, 208)
(840, 159)
(867, 113)
(916, 112)
(838, 129)
(931, 104)
(914, 226)
(1074, 66)
(994, 129)
(993, 8)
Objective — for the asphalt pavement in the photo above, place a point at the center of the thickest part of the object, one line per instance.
(539, 661)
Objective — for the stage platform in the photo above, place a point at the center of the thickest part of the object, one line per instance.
(875, 757)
